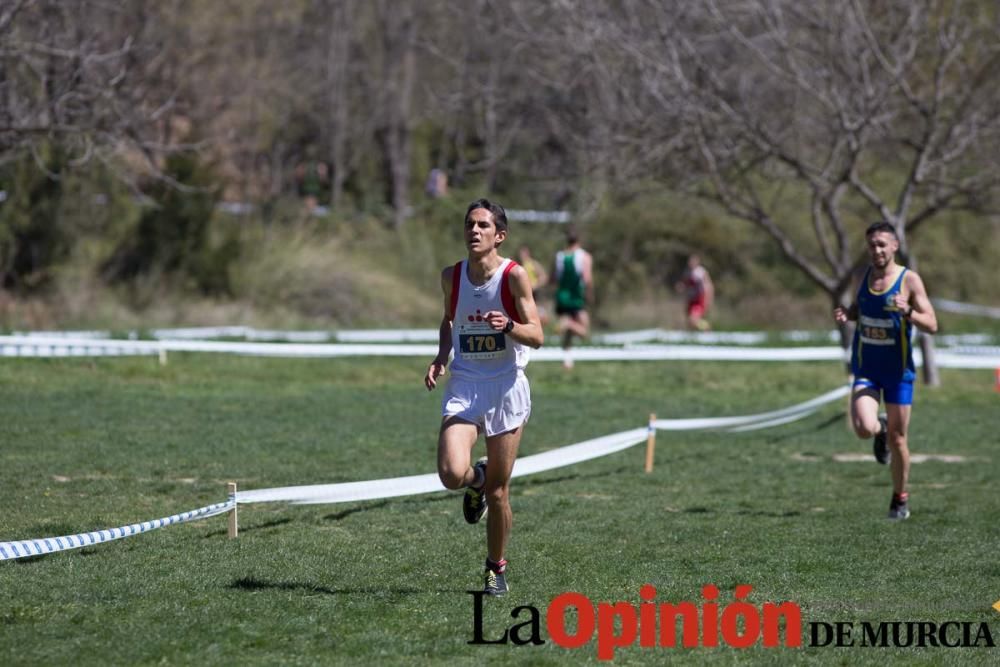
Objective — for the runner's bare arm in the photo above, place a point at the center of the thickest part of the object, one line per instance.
(529, 330)
(588, 277)
(438, 367)
(916, 306)
(841, 314)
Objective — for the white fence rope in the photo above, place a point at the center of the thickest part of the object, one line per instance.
(418, 484)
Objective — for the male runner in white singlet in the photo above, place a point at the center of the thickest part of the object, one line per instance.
(490, 320)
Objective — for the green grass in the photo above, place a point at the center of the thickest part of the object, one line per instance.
(88, 444)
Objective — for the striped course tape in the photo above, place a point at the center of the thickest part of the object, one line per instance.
(49, 545)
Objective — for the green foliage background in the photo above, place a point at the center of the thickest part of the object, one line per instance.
(81, 250)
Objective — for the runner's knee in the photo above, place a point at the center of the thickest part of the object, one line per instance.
(865, 430)
(451, 478)
(497, 495)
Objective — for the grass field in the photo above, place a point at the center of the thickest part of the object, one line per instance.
(88, 444)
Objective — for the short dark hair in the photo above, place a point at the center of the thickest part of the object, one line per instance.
(881, 226)
(572, 234)
(495, 209)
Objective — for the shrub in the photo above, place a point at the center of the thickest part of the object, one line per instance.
(173, 237)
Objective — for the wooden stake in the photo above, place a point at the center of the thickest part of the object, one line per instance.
(234, 527)
(650, 443)
(163, 356)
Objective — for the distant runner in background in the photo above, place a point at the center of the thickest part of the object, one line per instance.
(700, 292)
(891, 300)
(538, 277)
(573, 277)
(312, 178)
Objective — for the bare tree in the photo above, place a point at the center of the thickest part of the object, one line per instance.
(90, 77)
(338, 82)
(807, 120)
(392, 61)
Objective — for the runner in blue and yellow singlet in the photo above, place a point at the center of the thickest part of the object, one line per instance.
(890, 302)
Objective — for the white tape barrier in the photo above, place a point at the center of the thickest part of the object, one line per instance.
(976, 350)
(431, 336)
(960, 308)
(65, 334)
(248, 333)
(49, 545)
(531, 215)
(795, 411)
(40, 346)
(418, 484)
(529, 465)
(430, 483)
(666, 336)
(950, 359)
(624, 338)
(33, 346)
(693, 353)
(389, 336)
(252, 334)
(627, 338)
(958, 340)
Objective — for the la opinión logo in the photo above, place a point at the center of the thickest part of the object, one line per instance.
(572, 621)
(652, 624)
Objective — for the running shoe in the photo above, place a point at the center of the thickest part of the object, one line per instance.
(474, 500)
(879, 447)
(496, 583)
(898, 509)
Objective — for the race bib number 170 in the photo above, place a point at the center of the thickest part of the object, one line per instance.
(478, 341)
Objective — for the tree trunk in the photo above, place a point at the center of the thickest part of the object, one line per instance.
(931, 374)
(338, 71)
(399, 151)
(395, 93)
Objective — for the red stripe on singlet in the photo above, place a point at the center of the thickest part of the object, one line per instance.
(506, 296)
(456, 280)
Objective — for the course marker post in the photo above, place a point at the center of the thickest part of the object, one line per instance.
(997, 385)
(650, 443)
(163, 355)
(234, 528)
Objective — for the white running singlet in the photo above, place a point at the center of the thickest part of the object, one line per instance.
(480, 352)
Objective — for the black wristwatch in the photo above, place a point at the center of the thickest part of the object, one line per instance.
(507, 328)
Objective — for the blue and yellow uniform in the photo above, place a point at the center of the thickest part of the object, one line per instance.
(882, 354)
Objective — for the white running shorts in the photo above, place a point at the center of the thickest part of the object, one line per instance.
(495, 406)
